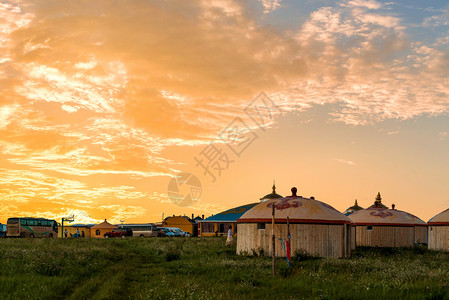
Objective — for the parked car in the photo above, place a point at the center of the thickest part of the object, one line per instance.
(118, 232)
(179, 232)
(164, 231)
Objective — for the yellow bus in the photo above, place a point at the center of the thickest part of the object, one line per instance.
(31, 227)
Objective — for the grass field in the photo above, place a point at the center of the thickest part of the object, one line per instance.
(203, 268)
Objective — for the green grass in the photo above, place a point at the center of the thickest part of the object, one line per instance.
(204, 268)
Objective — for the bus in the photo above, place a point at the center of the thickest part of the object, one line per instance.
(140, 230)
(31, 227)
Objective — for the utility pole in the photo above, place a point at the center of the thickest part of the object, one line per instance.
(273, 255)
(67, 219)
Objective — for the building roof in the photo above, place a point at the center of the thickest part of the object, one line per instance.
(352, 209)
(230, 215)
(440, 219)
(272, 195)
(186, 219)
(298, 210)
(134, 224)
(385, 216)
(80, 225)
(379, 214)
(104, 225)
(197, 219)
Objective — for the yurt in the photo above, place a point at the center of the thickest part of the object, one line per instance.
(378, 226)
(309, 225)
(99, 230)
(439, 231)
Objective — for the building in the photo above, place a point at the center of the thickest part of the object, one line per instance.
(219, 224)
(184, 223)
(352, 209)
(84, 230)
(379, 226)
(314, 227)
(438, 231)
(99, 230)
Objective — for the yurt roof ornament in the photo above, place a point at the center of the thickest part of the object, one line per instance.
(272, 195)
(352, 209)
(378, 202)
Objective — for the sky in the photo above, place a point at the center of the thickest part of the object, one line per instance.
(138, 110)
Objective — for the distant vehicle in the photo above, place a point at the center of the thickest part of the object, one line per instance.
(179, 232)
(171, 231)
(2, 230)
(164, 231)
(140, 230)
(31, 227)
(118, 232)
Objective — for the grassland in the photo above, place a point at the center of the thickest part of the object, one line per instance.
(204, 268)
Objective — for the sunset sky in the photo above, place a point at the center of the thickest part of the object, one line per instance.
(102, 102)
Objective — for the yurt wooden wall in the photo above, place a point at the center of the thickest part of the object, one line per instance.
(439, 237)
(316, 239)
(390, 236)
(421, 234)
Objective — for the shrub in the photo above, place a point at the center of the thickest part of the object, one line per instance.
(301, 255)
(172, 255)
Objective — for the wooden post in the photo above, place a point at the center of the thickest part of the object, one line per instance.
(273, 255)
(288, 231)
(62, 228)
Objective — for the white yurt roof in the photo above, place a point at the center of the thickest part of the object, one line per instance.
(298, 209)
(440, 219)
(379, 214)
